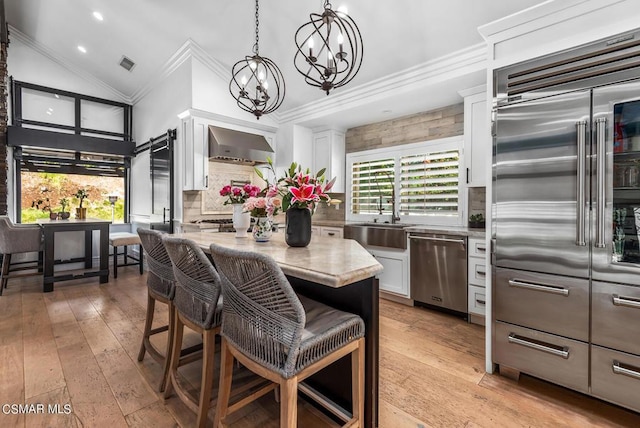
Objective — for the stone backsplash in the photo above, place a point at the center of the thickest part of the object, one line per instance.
(477, 200)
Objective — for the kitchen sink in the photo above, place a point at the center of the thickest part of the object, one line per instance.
(378, 234)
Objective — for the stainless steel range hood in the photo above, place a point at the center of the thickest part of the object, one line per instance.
(227, 145)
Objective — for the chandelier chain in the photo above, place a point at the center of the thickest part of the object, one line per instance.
(256, 48)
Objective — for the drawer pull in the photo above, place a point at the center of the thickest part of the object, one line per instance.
(629, 302)
(480, 272)
(539, 287)
(481, 302)
(625, 369)
(559, 351)
(331, 233)
(481, 248)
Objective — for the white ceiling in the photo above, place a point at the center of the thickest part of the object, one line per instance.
(398, 35)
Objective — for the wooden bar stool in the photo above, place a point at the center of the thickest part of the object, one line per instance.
(281, 336)
(197, 305)
(125, 239)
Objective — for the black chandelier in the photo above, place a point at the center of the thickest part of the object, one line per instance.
(339, 56)
(257, 83)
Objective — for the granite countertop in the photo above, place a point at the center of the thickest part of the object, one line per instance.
(451, 230)
(327, 261)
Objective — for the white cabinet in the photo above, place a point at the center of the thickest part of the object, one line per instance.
(196, 153)
(477, 141)
(476, 274)
(330, 232)
(395, 276)
(329, 152)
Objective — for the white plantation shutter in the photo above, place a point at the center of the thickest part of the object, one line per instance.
(425, 177)
(429, 183)
(371, 183)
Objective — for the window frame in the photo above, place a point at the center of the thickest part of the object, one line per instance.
(396, 153)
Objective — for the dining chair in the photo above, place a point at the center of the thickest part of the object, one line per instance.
(279, 335)
(160, 288)
(17, 239)
(197, 305)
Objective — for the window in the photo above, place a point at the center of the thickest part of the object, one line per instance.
(62, 142)
(420, 181)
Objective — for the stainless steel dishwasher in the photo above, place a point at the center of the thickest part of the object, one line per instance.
(438, 273)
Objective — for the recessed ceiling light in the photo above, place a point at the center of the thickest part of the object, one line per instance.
(82, 49)
(97, 15)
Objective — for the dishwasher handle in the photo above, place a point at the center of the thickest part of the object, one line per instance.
(427, 238)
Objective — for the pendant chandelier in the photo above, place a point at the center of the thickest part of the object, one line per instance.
(338, 55)
(257, 83)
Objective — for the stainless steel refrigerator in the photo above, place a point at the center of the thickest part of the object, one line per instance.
(566, 219)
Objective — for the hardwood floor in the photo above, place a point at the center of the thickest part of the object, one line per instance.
(78, 346)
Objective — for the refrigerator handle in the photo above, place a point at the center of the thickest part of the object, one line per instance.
(600, 179)
(581, 130)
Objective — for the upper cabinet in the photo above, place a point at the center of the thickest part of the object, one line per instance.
(477, 141)
(328, 150)
(196, 153)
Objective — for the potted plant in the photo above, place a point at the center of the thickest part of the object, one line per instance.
(64, 214)
(262, 209)
(301, 192)
(81, 212)
(476, 221)
(44, 204)
(237, 196)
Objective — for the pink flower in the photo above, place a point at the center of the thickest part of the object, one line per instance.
(253, 192)
(303, 179)
(276, 202)
(273, 191)
(304, 193)
(247, 188)
(260, 203)
(225, 190)
(236, 191)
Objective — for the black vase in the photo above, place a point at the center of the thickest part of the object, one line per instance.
(298, 230)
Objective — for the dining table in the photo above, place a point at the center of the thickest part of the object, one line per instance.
(336, 272)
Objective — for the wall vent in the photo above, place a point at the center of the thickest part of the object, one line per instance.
(127, 63)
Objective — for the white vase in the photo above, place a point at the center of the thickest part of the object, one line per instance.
(241, 221)
(262, 229)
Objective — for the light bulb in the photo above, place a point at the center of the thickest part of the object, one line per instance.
(243, 80)
(253, 65)
(265, 85)
(310, 43)
(261, 76)
(340, 38)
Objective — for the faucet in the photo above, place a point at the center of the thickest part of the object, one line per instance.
(394, 216)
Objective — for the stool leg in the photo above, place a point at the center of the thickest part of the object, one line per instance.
(224, 390)
(151, 304)
(140, 258)
(6, 264)
(178, 331)
(208, 368)
(169, 349)
(115, 262)
(289, 402)
(357, 383)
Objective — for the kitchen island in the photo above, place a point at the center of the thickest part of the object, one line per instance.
(339, 273)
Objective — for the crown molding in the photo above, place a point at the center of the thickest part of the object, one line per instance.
(65, 63)
(458, 63)
(190, 49)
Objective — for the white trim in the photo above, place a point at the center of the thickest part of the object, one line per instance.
(458, 63)
(228, 120)
(65, 63)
